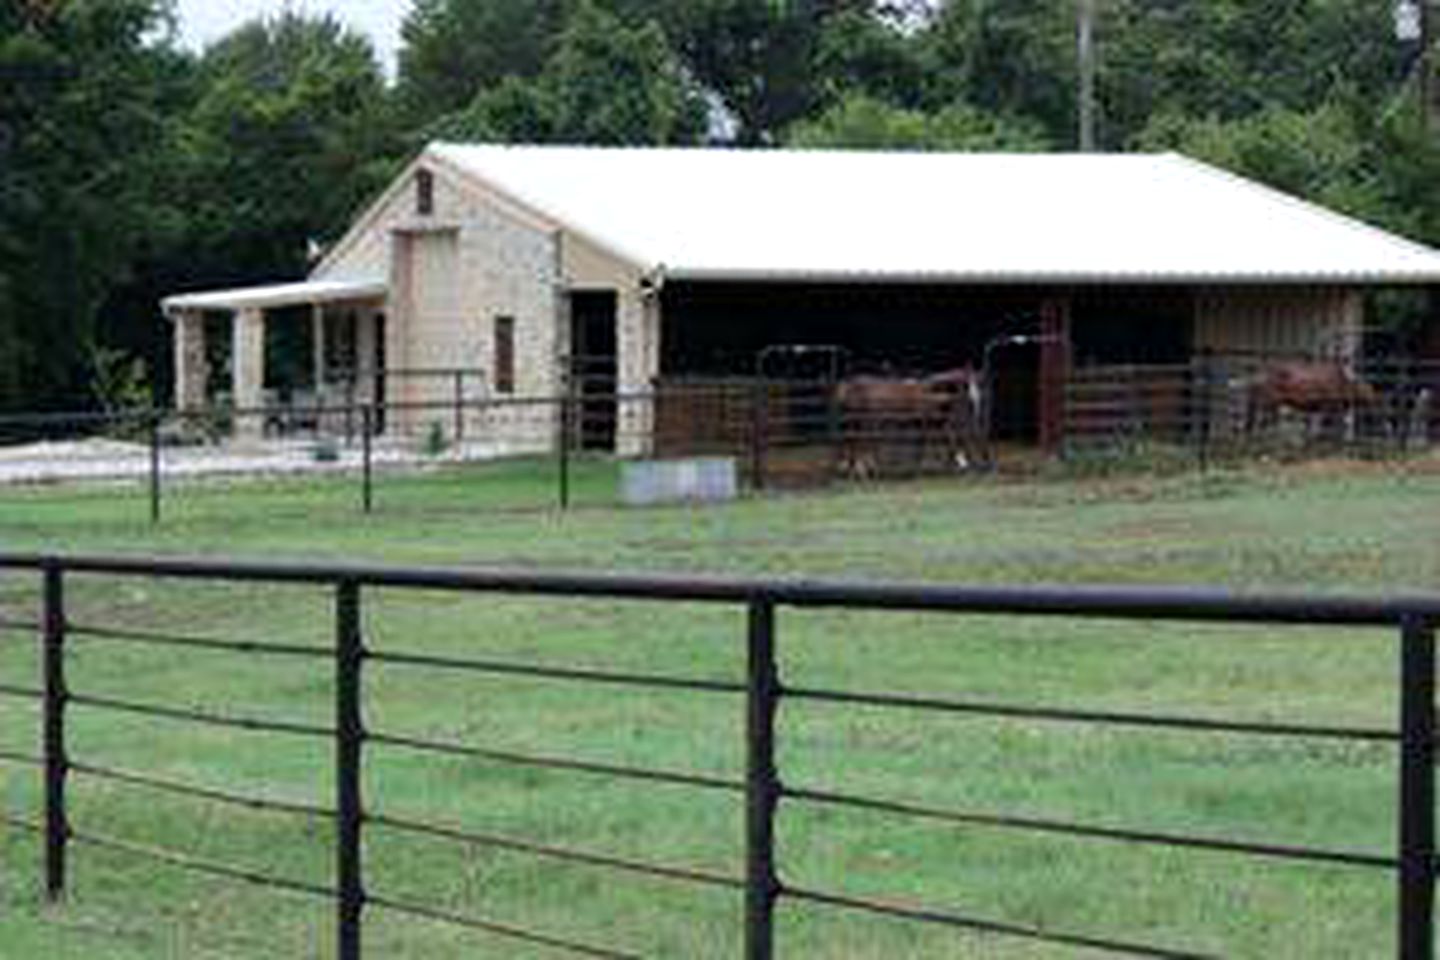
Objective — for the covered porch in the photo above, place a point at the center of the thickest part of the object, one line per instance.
(345, 344)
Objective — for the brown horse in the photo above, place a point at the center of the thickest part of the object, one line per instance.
(1323, 388)
(881, 412)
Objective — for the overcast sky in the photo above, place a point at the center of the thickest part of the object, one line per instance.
(204, 21)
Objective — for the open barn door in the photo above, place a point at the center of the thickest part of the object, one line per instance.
(594, 370)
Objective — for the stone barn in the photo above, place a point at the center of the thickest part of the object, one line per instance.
(500, 271)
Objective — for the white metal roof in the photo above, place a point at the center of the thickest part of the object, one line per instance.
(731, 214)
(278, 295)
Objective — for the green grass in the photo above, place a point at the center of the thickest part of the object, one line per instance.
(1305, 529)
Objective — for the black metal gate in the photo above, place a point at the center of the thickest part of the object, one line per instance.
(764, 787)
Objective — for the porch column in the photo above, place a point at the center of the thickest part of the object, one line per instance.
(317, 339)
(1055, 363)
(367, 354)
(637, 344)
(247, 370)
(192, 371)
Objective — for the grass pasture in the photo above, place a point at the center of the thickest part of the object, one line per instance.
(1305, 528)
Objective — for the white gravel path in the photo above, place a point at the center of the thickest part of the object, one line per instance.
(102, 459)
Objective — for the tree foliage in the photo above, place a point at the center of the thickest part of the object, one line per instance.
(454, 49)
(863, 122)
(606, 83)
(282, 143)
(85, 116)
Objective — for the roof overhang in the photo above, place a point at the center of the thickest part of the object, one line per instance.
(307, 293)
(1049, 279)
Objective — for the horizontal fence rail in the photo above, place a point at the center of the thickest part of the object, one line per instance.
(765, 789)
(775, 433)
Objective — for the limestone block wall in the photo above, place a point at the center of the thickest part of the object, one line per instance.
(476, 257)
(511, 269)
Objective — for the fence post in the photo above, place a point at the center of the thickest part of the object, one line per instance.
(1417, 790)
(57, 764)
(833, 428)
(760, 417)
(154, 424)
(350, 409)
(349, 743)
(762, 783)
(567, 421)
(1207, 407)
(367, 480)
(459, 406)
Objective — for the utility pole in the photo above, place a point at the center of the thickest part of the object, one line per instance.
(1427, 63)
(1085, 40)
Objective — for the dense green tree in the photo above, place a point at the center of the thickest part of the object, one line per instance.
(863, 122)
(1008, 57)
(866, 52)
(606, 83)
(289, 134)
(85, 139)
(454, 49)
(1232, 58)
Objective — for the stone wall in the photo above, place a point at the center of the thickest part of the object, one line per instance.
(477, 257)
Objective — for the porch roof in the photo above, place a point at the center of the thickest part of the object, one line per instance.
(311, 292)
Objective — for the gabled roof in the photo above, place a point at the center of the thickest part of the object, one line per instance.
(842, 215)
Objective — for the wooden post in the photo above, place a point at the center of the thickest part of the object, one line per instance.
(1054, 371)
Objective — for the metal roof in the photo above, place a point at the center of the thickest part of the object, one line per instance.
(976, 218)
(278, 295)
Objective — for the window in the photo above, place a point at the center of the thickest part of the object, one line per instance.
(424, 193)
(504, 355)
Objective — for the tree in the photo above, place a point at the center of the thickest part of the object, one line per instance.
(759, 57)
(290, 133)
(606, 83)
(1229, 59)
(84, 108)
(455, 49)
(1013, 58)
(867, 53)
(862, 122)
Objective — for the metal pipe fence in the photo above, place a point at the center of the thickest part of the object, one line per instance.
(1234, 405)
(776, 434)
(765, 788)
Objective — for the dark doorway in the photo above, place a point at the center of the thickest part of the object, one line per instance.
(376, 366)
(594, 371)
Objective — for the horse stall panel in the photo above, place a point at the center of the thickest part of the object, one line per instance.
(778, 428)
(809, 433)
(1251, 403)
(712, 415)
(1130, 402)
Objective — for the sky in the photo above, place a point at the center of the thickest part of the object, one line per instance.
(204, 21)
